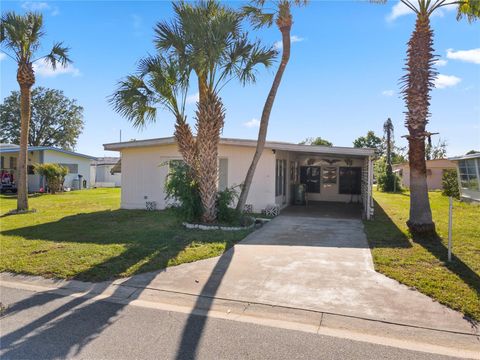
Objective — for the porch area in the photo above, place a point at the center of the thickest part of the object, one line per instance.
(324, 182)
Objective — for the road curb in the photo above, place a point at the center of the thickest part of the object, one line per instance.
(445, 342)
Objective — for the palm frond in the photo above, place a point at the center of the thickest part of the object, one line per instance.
(134, 101)
(257, 17)
(21, 34)
(58, 55)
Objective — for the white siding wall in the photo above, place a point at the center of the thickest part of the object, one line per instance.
(101, 174)
(61, 158)
(143, 178)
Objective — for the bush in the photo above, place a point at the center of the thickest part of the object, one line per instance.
(182, 188)
(387, 181)
(450, 183)
(225, 199)
(54, 174)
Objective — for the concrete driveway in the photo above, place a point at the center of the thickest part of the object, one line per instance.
(311, 263)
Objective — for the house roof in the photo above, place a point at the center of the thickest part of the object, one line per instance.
(465, 157)
(274, 145)
(108, 160)
(16, 149)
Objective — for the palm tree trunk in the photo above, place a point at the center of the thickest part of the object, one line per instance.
(186, 143)
(210, 120)
(22, 181)
(267, 109)
(418, 82)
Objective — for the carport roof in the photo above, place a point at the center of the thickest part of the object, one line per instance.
(274, 145)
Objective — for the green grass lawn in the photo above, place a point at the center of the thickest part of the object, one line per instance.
(84, 235)
(422, 264)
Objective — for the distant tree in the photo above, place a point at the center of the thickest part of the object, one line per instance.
(450, 183)
(20, 40)
(437, 151)
(370, 141)
(471, 152)
(55, 120)
(316, 141)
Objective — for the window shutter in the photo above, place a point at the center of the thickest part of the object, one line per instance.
(222, 174)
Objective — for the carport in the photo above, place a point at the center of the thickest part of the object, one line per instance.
(323, 181)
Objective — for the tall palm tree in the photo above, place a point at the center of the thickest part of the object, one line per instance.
(417, 84)
(208, 36)
(282, 17)
(388, 131)
(20, 36)
(206, 40)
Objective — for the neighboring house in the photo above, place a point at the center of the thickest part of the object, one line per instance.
(435, 169)
(78, 165)
(468, 176)
(330, 173)
(103, 174)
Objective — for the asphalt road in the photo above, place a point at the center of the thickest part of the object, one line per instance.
(47, 326)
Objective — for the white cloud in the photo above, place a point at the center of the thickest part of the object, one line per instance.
(472, 56)
(192, 99)
(39, 6)
(441, 62)
(293, 39)
(400, 9)
(2, 56)
(444, 81)
(35, 5)
(388, 92)
(252, 123)
(44, 69)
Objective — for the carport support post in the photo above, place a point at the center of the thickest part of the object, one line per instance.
(450, 208)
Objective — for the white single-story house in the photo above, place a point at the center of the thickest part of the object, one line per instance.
(103, 174)
(435, 170)
(336, 174)
(78, 165)
(468, 176)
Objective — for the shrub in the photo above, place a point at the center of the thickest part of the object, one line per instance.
(54, 175)
(182, 188)
(386, 180)
(450, 183)
(225, 201)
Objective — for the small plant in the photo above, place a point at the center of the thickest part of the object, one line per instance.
(54, 174)
(387, 181)
(183, 189)
(225, 201)
(450, 183)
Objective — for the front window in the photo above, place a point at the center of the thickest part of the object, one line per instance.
(72, 168)
(468, 174)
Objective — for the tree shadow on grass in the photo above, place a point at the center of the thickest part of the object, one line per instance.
(66, 330)
(382, 232)
(435, 246)
(150, 240)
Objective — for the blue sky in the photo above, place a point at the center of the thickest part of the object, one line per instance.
(342, 79)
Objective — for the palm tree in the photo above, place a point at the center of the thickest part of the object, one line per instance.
(282, 17)
(417, 84)
(20, 36)
(205, 39)
(388, 131)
